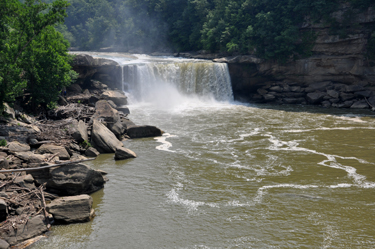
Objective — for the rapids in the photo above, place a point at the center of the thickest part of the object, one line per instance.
(230, 175)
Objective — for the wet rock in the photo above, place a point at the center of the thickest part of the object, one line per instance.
(364, 94)
(4, 244)
(53, 149)
(33, 227)
(123, 109)
(117, 97)
(30, 157)
(92, 152)
(103, 139)
(290, 100)
(362, 104)
(315, 98)
(143, 131)
(16, 146)
(3, 210)
(371, 100)
(124, 153)
(127, 123)
(326, 104)
(74, 179)
(71, 209)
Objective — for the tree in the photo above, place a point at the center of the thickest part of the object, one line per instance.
(26, 28)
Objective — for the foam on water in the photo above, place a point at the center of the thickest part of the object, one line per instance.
(165, 145)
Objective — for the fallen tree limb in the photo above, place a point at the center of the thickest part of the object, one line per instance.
(45, 167)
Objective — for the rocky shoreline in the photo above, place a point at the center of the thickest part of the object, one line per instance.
(43, 179)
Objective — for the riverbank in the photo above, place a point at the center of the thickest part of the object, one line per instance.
(43, 179)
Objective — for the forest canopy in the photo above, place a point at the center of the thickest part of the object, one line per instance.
(268, 28)
(33, 55)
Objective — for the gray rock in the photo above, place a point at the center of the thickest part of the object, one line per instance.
(118, 129)
(262, 91)
(348, 104)
(296, 89)
(326, 104)
(269, 97)
(80, 131)
(334, 94)
(30, 157)
(25, 181)
(127, 123)
(33, 227)
(98, 85)
(143, 131)
(71, 209)
(124, 153)
(74, 179)
(362, 104)
(53, 149)
(365, 94)
(371, 100)
(346, 96)
(4, 244)
(92, 152)
(103, 139)
(112, 104)
(4, 163)
(124, 109)
(117, 97)
(321, 86)
(105, 112)
(277, 89)
(16, 146)
(290, 100)
(315, 98)
(354, 88)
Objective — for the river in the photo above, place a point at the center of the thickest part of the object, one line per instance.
(233, 175)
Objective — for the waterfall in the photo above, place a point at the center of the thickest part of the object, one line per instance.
(152, 81)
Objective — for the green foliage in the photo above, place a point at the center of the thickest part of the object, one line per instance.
(86, 144)
(3, 142)
(33, 55)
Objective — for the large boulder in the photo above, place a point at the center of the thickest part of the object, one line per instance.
(16, 146)
(124, 153)
(103, 139)
(117, 97)
(71, 209)
(105, 112)
(315, 98)
(74, 179)
(53, 149)
(9, 111)
(80, 131)
(92, 152)
(30, 157)
(33, 227)
(143, 131)
(25, 181)
(124, 109)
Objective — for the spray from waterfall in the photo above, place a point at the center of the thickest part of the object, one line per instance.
(176, 82)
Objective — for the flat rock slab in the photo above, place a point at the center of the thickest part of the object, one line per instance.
(34, 226)
(124, 153)
(53, 149)
(103, 139)
(71, 209)
(18, 147)
(143, 131)
(30, 157)
(117, 97)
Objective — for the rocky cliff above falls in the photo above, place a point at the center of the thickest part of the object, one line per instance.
(335, 59)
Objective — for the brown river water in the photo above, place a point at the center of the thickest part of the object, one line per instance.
(232, 175)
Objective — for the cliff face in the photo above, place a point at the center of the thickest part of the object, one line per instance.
(335, 61)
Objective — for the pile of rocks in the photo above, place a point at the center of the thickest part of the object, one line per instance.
(326, 94)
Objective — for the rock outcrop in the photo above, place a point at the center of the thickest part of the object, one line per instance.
(61, 152)
(74, 179)
(143, 131)
(124, 153)
(71, 209)
(103, 139)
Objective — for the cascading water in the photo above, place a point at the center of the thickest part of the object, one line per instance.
(165, 81)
